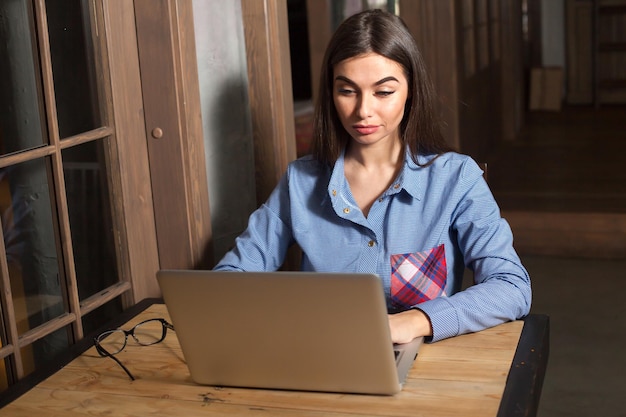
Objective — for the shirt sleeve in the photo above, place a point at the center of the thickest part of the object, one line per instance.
(502, 290)
(264, 243)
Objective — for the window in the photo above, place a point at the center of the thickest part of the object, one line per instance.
(62, 241)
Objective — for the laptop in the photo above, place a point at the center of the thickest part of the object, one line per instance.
(286, 330)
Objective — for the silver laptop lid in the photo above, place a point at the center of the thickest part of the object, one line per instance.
(283, 330)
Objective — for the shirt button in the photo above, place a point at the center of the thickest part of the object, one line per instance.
(346, 210)
(334, 193)
(371, 243)
(396, 186)
(380, 200)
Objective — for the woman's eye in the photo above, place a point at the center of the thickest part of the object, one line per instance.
(385, 93)
(345, 91)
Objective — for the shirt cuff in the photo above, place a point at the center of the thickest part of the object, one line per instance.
(443, 318)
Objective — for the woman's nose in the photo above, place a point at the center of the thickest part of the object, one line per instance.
(364, 106)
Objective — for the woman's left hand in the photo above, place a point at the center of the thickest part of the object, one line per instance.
(408, 325)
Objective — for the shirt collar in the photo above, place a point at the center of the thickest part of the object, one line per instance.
(411, 179)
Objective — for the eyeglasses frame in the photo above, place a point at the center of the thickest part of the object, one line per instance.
(104, 353)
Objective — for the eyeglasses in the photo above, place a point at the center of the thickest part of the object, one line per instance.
(146, 333)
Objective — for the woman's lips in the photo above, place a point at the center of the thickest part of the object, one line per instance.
(365, 130)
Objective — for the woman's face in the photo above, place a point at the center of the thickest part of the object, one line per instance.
(370, 92)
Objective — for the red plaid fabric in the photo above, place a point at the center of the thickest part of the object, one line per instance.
(418, 277)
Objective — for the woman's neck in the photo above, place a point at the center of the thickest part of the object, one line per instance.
(375, 157)
(371, 171)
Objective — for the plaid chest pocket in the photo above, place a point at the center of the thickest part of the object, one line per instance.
(418, 277)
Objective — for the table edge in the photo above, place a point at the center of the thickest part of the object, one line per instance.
(525, 379)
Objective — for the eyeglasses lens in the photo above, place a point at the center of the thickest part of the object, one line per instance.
(149, 332)
(112, 341)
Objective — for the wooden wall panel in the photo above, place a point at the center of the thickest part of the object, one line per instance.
(480, 99)
(431, 24)
(320, 32)
(579, 32)
(136, 193)
(271, 99)
(513, 91)
(174, 131)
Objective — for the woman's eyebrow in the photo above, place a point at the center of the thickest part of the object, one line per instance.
(379, 82)
(344, 79)
(384, 80)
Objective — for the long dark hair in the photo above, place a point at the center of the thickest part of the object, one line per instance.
(385, 34)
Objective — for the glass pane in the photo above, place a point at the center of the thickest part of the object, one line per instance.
(30, 237)
(5, 363)
(102, 315)
(91, 221)
(45, 349)
(21, 116)
(73, 65)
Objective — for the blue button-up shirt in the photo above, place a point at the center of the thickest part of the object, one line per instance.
(447, 203)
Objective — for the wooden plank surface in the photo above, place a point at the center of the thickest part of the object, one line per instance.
(464, 375)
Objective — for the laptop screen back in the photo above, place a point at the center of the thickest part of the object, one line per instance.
(283, 330)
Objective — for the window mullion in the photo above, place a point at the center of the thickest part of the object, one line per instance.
(46, 72)
(8, 314)
(45, 329)
(69, 274)
(99, 299)
(25, 156)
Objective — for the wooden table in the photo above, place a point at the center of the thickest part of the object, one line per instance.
(496, 372)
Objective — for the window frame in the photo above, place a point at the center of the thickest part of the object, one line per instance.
(112, 30)
(51, 154)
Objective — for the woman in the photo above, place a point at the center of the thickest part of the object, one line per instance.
(383, 193)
